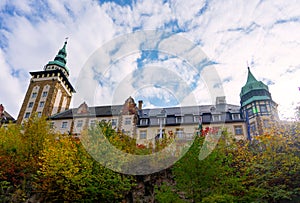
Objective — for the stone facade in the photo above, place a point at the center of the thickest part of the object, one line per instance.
(49, 91)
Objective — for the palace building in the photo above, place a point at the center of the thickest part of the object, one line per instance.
(49, 94)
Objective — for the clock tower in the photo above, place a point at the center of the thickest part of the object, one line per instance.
(257, 106)
(49, 91)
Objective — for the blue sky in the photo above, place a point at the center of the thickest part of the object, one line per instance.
(264, 34)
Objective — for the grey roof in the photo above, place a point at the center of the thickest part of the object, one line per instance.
(97, 111)
(190, 110)
(170, 113)
(188, 114)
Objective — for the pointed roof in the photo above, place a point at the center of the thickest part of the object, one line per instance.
(60, 58)
(251, 85)
(251, 78)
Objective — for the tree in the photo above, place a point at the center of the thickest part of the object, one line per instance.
(211, 178)
(68, 173)
(20, 147)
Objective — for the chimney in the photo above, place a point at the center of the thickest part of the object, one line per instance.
(221, 104)
(140, 104)
(220, 100)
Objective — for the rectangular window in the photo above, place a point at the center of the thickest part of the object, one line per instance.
(127, 121)
(179, 133)
(27, 114)
(39, 114)
(179, 119)
(236, 117)
(216, 117)
(44, 94)
(250, 112)
(114, 122)
(79, 124)
(30, 105)
(34, 95)
(51, 125)
(92, 123)
(64, 124)
(143, 134)
(162, 133)
(42, 104)
(144, 122)
(197, 119)
(162, 121)
(263, 108)
(238, 130)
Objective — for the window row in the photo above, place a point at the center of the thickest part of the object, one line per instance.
(41, 104)
(27, 114)
(186, 119)
(262, 108)
(80, 123)
(179, 133)
(44, 94)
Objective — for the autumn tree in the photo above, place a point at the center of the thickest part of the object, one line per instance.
(20, 147)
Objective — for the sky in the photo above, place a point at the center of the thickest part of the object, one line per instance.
(222, 38)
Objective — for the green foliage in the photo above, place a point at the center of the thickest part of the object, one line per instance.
(219, 199)
(68, 173)
(36, 161)
(264, 170)
(165, 194)
(209, 177)
(19, 152)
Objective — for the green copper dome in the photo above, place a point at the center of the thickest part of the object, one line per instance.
(60, 58)
(252, 84)
(254, 90)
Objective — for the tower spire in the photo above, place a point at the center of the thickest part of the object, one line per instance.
(251, 78)
(60, 59)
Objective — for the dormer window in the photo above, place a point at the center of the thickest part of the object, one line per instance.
(216, 117)
(236, 116)
(179, 119)
(144, 121)
(161, 121)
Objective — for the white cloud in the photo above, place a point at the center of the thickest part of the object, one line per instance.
(10, 88)
(264, 33)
